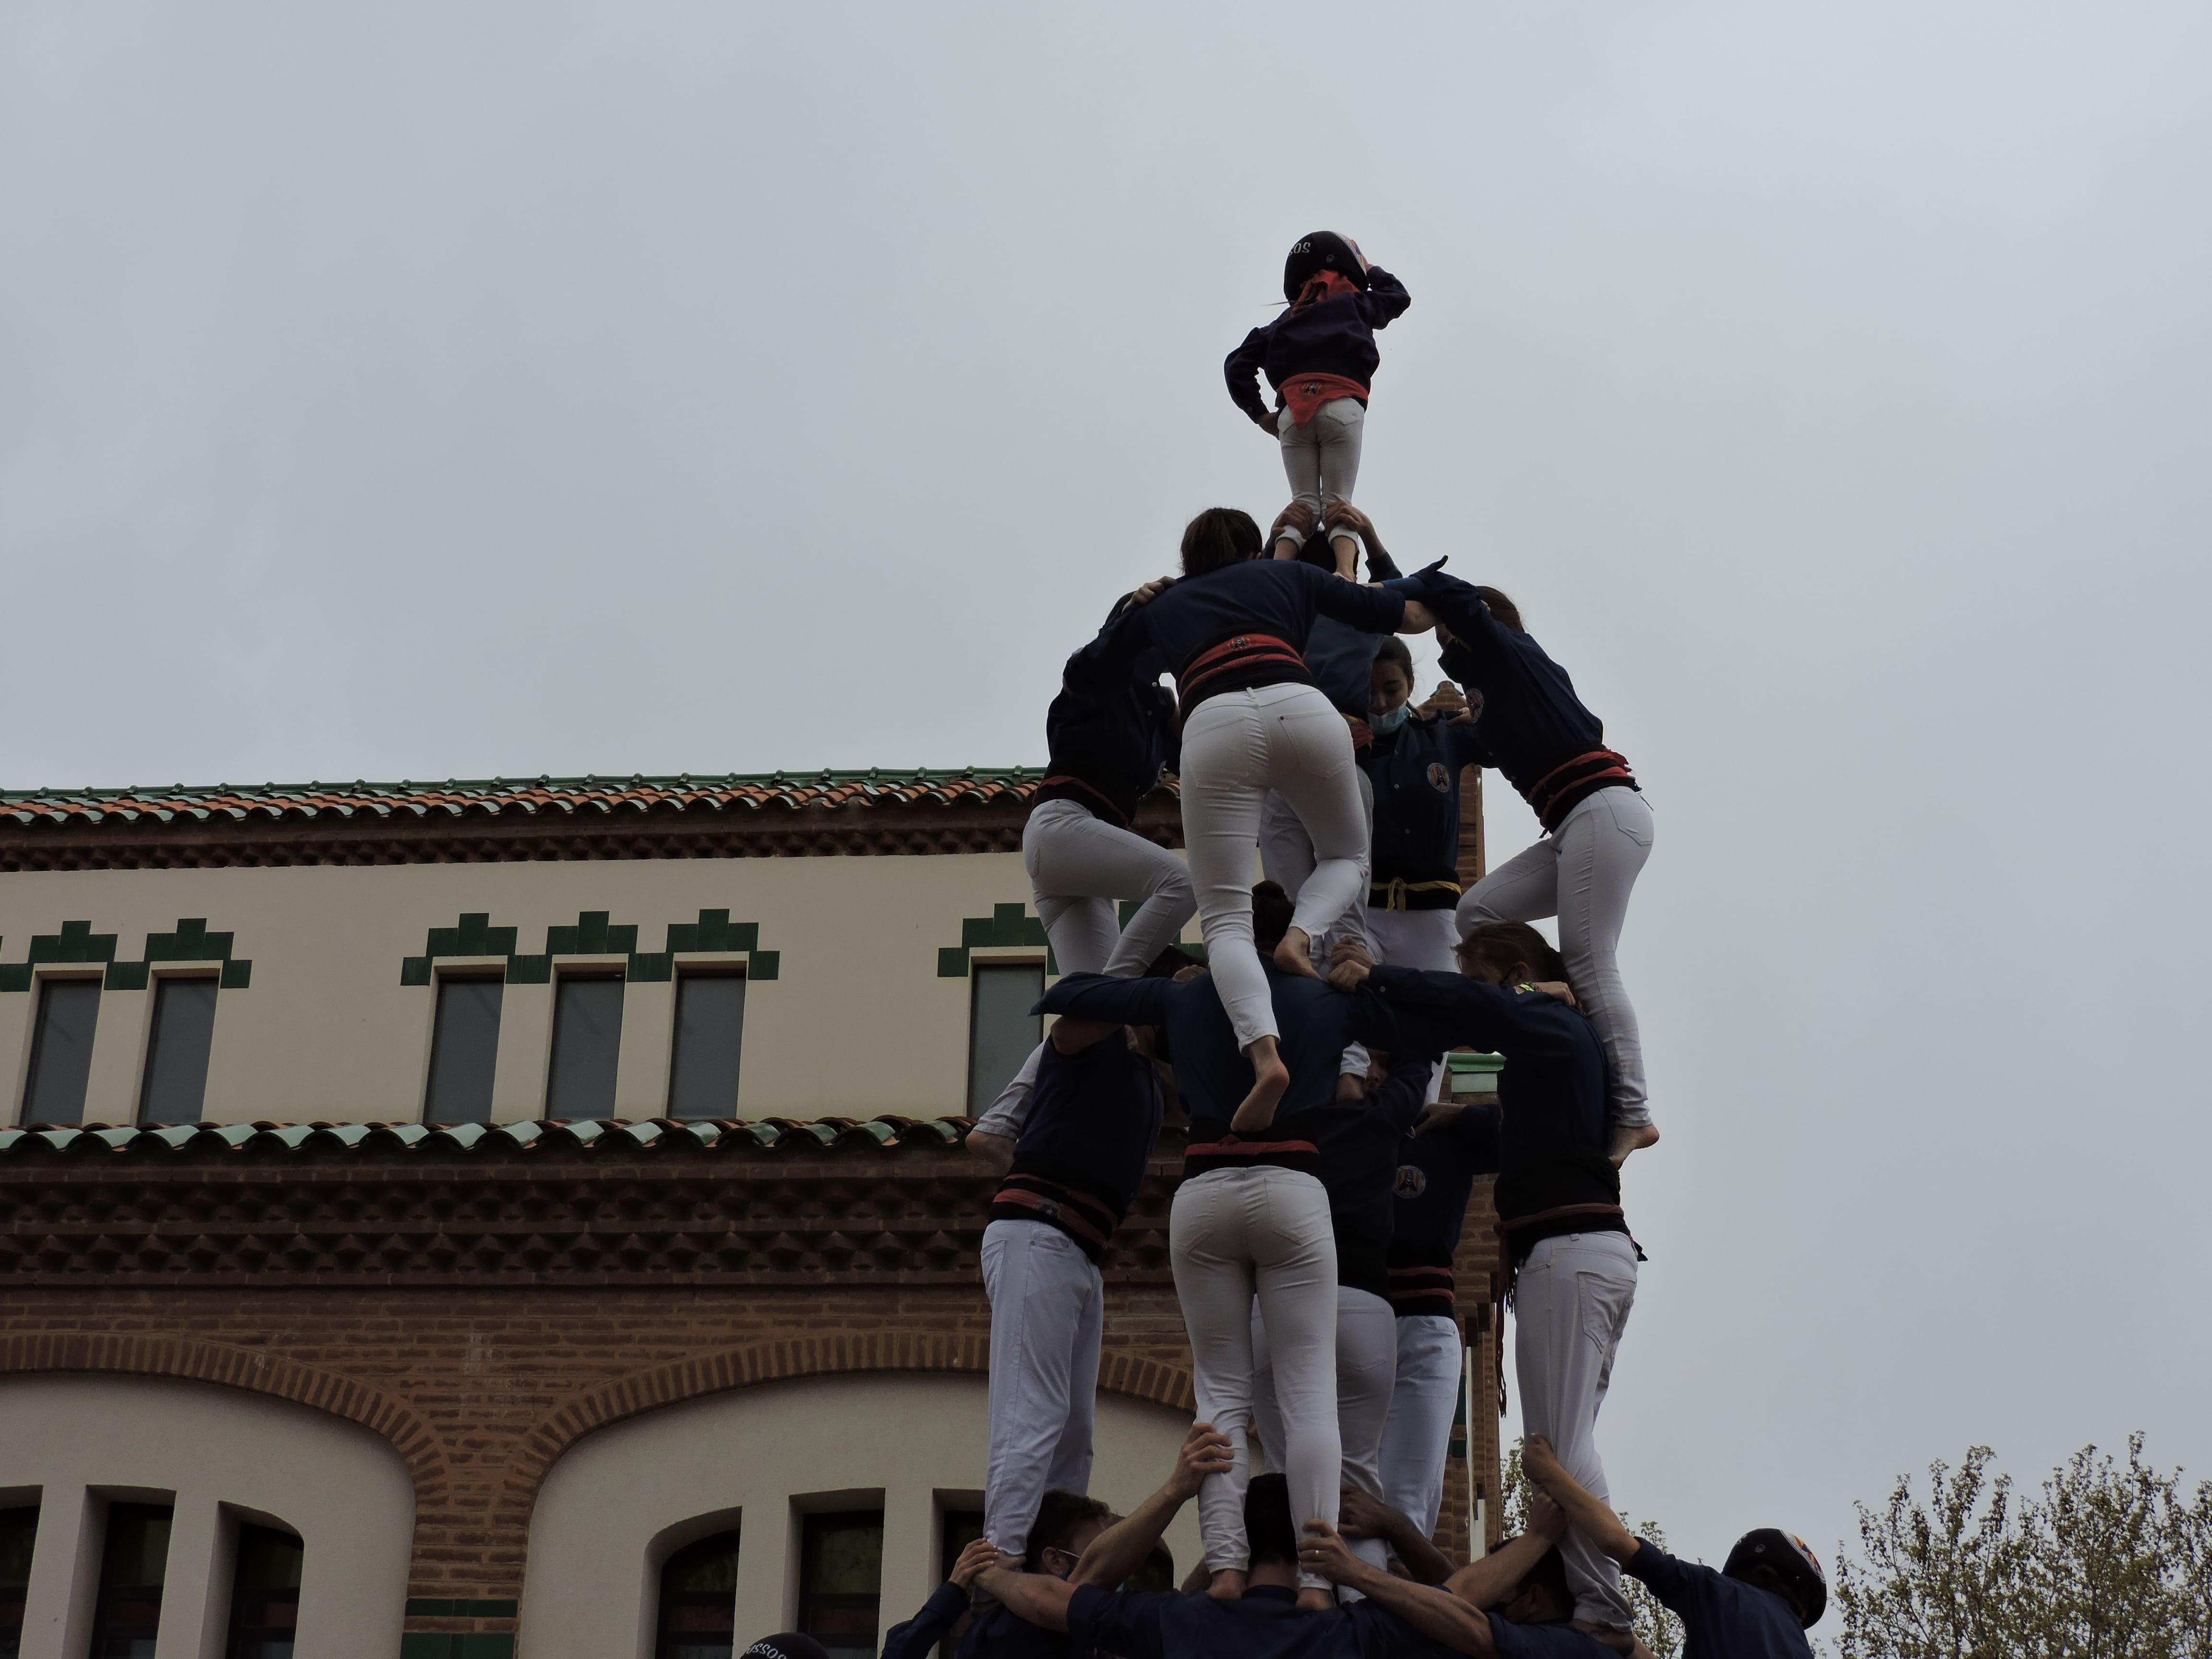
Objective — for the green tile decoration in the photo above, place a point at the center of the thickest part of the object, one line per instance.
(592, 935)
(77, 943)
(1007, 927)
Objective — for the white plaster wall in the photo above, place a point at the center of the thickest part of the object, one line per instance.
(219, 1455)
(624, 1499)
(857, 1023)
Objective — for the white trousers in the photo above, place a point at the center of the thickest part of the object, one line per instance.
(1570, 1303)
(1237, 746)
(1424, 1401)
(1078, 865)
(1048, 1307)
(1366, 1367)
(1321, 458)
(1583, 873)
(1233, 1235)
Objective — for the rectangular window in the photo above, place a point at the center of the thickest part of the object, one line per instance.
(710, 1026)
(132, 1564)
(1001, 1030)
(841, 1572)
(962, 1529)
(175, 1087)
(265, 1595)
(586, 1042)
(699, 1601)
(463, 1050)
(61, 1050)
(19, 1530)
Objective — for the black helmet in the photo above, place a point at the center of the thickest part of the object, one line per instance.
(1322, 251)
(1784, 1554)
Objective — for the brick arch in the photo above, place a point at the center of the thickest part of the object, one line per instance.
(383, 1413)
(782, 1360)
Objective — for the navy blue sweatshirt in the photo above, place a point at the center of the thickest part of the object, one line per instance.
(1080, 1158)
(1532, 723)
(997, 1633)
(1278, 598)
(1551, 1137)
(1333, 336)
(1212, 1076)
(1111, 732)
(1415, 771)
(1723, 1618)
(1267, 1623)
(1358, 1145)
(1434, 1180)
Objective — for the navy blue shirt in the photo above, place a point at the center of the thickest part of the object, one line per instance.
(1415, 771)
(918, 1636)
(1279, 597)
(1212, 1074)
(1723, 1618)
(1359, 1145)
(1266, 1623)
(1551, 1095)
(1559, 1641)
(1080, 1158)
(1432, 1185)
(1112, 726)
(1532, 722)
(1331, 336)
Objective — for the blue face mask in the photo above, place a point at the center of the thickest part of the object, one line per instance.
(1385, 724)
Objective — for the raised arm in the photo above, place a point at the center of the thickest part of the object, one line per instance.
(1591, 1517)
(1121, 1548)
(1492, 1580)
(1436, 1614)
(1036, 1598)
(1363, 1516)
(1384, 299)
(918, 1636)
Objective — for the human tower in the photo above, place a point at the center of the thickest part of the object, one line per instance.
(1326, 1178)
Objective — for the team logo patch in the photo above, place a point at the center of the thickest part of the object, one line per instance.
(1439, 779)
(1412, 1181)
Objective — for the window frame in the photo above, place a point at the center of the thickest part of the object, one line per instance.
(462, 970)
(692, 1534)
(43, 975)
(563, 969)
(978, 960)
(817, 1510)
(162, 976)
(718, 966)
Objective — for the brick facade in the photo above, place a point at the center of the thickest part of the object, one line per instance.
(484, 1315)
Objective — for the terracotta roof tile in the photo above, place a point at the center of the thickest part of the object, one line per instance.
(614, 1135)
(515, 797)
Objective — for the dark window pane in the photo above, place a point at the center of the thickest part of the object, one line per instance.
(177, 1058)
(1001, 1030)
(699, 1601)
(586, 1040)
(18, 1529)
(61, 1050)
(265, 1595)
(710, 1025)
(841, 1570)
(463, 1052)
(962, 1529)
(131, 1568)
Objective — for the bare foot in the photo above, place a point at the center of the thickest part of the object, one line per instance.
(1620, 1641)
(1316, 1601)
(1347, 557)
(1228, 1585)
(1294, 954)
(1351, 1089)
(1270, 1078)
(1286, 549)
(1626, 1139)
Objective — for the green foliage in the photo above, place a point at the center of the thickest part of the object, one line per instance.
(1656, 1627)
(2109, 1560)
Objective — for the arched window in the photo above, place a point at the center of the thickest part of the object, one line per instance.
(699, 1601)
(265, 1595)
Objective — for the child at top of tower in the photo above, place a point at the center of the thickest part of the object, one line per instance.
(1319, 356)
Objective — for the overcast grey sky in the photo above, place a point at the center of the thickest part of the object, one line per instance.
(459, 389)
